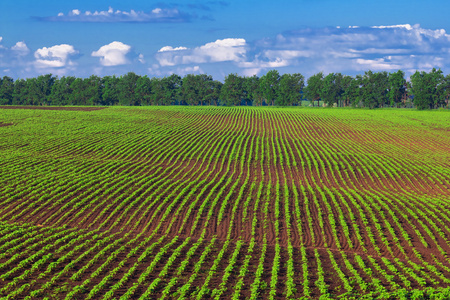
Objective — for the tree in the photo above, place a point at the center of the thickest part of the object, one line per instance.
(253, 90)
(20, 93)
(157, 94)
(61, 91)
(144, 90)
(349, 90)
(313, 90)
(374, 87)
(171, 89)
(93, 90)
(41, 88)
(38, 90)
(446, 90)
(6, 90)
(397, 88)
(426, 89)
(290, 87)
(232, 90)
(189, 90)
(110, 95)
(331, 89)
(127, 90)
(214, 88)
(269, 85)
(195, 89)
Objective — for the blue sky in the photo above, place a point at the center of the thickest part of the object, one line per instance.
(103, 37)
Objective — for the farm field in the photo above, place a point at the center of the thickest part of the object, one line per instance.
(224, 203)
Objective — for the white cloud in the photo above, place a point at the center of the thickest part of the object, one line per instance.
(188, 70)
(157, 15)
(169, 48)
(54, 57)
(113, 54)
(251, 71)
(405, 26)
(376, 64)
(231, 49)
(260, 64)
(350, 50)
(141, 58)
(379, 51)
(20, 48)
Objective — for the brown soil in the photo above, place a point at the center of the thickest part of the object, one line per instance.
(51, 107)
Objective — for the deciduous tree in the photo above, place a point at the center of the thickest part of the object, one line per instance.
(313, 90)
(290, 87)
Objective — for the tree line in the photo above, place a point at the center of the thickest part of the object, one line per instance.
(424, 90)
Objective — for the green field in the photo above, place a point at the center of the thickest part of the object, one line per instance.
(225, 203)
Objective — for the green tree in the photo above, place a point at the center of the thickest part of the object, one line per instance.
(349, 90)
(332, 90)
(41, 89)
(313, 89)
(374, 87)
(397, 88)
(189, 90)
(20, 93)
(127, 90)
(446, 90)
(157, 95)
(253, 90)
(232, 90)
(290, 87)
(144, 90)
(110, 95)
(93, 90)
(426, 88)
(6, 90)
(214, 88)
(269, 84)
(195, 89)
(171, 86)
(61, 90)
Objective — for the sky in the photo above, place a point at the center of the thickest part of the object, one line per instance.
(106, 37)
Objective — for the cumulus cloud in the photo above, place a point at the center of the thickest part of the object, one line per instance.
(157, 15)
(54, 57)
(169, 48)
(231, 49)
(20, 48)
(113, 54)
(351, 49)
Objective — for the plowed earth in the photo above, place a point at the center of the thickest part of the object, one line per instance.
(174, 202)
(68, 108)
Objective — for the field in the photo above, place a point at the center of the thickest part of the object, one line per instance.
(224, 203)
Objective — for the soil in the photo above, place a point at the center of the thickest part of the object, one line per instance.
(339, 177)
(86, 108)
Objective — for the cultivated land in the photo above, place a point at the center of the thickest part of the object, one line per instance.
(185, 202)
